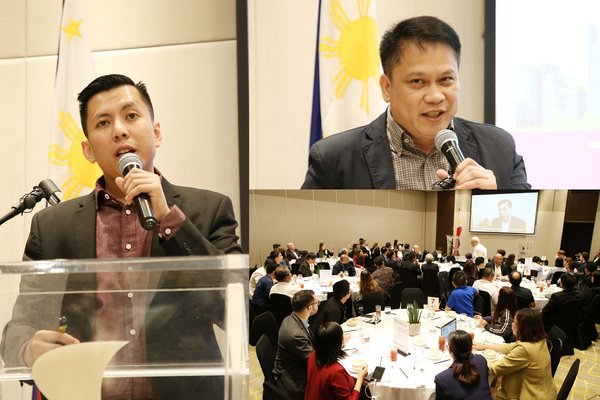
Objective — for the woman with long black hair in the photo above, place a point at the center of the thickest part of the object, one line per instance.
(467, 377)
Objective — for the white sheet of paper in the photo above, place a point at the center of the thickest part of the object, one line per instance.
(74, 372)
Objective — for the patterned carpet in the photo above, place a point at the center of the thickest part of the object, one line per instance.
(586, 387)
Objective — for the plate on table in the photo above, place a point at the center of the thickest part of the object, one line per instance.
(433, 354)
(358, 364)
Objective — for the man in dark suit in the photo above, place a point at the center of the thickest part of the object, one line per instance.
(307, 266)
(505, 222)
(334, 309)
(524, 296)
(117, 118)
(410, 271)
(295, 345)
(344, 265)
(391, 261)
(568, 297)
(291, 253)
(420, 58)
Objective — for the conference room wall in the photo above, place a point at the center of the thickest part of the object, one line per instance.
(185, 51)
(307, 217)
(282, 37)
(548, 230)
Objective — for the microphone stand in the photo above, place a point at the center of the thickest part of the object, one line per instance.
(25, 204)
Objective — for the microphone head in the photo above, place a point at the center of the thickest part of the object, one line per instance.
(129, 161)
(443, 136)
(50, 191)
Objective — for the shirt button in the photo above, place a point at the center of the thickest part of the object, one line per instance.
(128, 212)
(130, 295)
(168, 231)
(128, 246)
(106, 196)
(132, 332)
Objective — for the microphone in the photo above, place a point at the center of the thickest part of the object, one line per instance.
(50, 189)
(447, 142)
(127, 162)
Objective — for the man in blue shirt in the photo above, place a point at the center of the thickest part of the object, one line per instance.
(260, 299)
(462, 297)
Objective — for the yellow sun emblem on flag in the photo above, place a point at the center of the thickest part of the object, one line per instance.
(82, 172)
(356, 49)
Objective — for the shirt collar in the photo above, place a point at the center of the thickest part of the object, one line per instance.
(400, 139)
(103, 196)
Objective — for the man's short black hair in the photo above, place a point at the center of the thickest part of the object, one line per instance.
(419, 31)
(302, 299)
(341, 288)
(103, 84)
(515, 278)
(411, 257)
(459, 279)
(451, 259)
(270, 266)
(501, 252)
(311, 256)
(479, 260)
(378, 261)
(568, 281)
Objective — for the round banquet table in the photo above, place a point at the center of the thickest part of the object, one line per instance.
(541, 297)
(412, 376)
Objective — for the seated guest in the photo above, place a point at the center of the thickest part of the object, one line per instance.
(410, 271)
(588, 270)
(486, 283)
(480, 265)
(525, 367)
(323, 252)
(524, 295)
(583, 260)
(284, 283)
(327, 378)
(255, 277)
(307, 266)
(292, 253)
(366, 284)
(462, 297)
(344, 265)
(509, 264)
(359, 258)
(558, 267)
(470, 272)
(467, 377)
(429, 264)
(498, 264)
(500, 323)
(294, 345)
(560, 255)
(260, 298)
(469, 256)
(390, 261)
(334, 309)
(594, 290)
(383, 275)
(439, 255)
(451, 260)
(567, 298)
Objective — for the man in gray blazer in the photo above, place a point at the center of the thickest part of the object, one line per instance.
(420, 58)
(117, 118)
(295, 345)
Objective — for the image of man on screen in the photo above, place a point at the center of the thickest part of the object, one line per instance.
(420, 81)
(506, 222)
(163, 327)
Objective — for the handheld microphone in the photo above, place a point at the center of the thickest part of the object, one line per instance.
(127, 162)
(447, 142)
(50, 191)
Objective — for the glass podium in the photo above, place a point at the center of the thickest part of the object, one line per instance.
(184, 320)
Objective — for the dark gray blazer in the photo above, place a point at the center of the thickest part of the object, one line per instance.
(175, 323)
(361, 158)
(293, 349)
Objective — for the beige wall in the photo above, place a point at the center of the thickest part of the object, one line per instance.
(282, 51)
(341, 217)
(185, 51)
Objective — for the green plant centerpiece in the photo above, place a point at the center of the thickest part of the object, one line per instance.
(414, 318)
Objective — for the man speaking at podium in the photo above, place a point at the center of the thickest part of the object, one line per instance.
(118, 119)
(420, 58)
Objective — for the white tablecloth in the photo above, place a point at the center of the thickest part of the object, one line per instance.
(322, 288)
(412, 376)
(541, 297)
